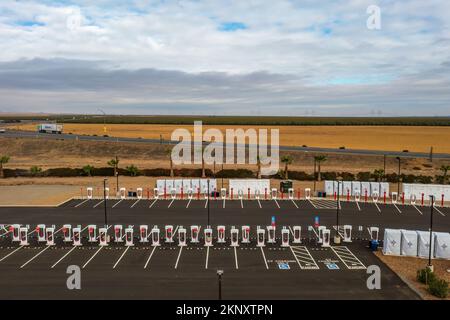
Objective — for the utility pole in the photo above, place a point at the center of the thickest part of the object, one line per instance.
(430, 266)
(104, 202)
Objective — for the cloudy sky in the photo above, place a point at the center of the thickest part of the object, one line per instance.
(225, 57)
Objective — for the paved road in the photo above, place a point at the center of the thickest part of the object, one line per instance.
(30, 134)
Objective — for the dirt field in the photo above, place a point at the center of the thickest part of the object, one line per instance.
(25, 153)
(407, 268)
(391, 138)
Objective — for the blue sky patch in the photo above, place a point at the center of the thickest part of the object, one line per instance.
(232, 26)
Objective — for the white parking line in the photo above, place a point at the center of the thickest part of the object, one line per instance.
(376, 205)
(264, 257)
(63, 257)
(346, 256)
(399, 211)
(312, 203)
(148, 260)
(123, 254)
(189, 202)
(137, 201)
(179, 255)
(207, 257)
(236, 258)
(357, 204)
(294, 203)
(418, 210)
(439, 211)
(242, 204)
(9, 254)
(37, 255)
(95, 206)
(93, 256)
(151, 205)
(170, 204)
(259, 203)
(206, 202)
(276, 203)
(115, 204)
(81, 203)
(223, 206)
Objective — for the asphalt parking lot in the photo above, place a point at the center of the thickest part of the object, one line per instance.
(299, 271)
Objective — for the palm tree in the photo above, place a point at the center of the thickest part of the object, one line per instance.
(379, 174)
(287, 160)
(3, 160)
(115, 164)
(169, 154)
(319, 160)
(258, 163)
(87, 169)
(132, 170)
(34, 170)
(444, 169)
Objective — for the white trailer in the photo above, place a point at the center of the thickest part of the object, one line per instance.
(50, 128)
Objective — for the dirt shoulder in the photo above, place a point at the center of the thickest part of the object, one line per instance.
(406, 267)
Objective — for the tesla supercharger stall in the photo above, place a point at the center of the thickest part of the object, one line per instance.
(129, 237)
(394, 197)
(413, 199)
(357, 196)
(320, 230)
(326, 238)
(223, 193)
(143, 233)
(40, 229)
(374, 231)
(291, 193)
(245, 234)
(155, 236)
(139, 193)
(285, 237)
(173, 193)
(181, 236)
(67, 233)
(50, 235)
(347, 233)
(103, 236)
(168, 234)
(220, 234)
(240, 194)
(123, 193)
(77, 236)
(90, 192)
(190, 194)
(92, 233)
(118, 233)
(155, 193)
(15, 234)
(271, 234)
(274, 194)
(260, 237)
(307, 193)
(208, 237)
(234, 233)
(194, 234)
(23, 234)
(297, 234)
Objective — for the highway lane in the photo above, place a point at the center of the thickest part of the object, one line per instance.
(36, 135)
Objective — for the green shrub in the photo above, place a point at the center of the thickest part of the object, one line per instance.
(425, 276)
(439, 288)
(132, 170)
(237, 173)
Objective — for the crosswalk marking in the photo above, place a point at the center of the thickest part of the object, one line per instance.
(304, 258)
(348, 258)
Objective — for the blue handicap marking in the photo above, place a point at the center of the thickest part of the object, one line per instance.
(283, 266)
(332, 266)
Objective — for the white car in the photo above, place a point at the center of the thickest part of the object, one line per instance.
(2, 130)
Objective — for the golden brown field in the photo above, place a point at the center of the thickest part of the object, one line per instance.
(391, 138)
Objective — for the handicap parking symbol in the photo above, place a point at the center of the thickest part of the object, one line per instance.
(332, 266)
(283, 266)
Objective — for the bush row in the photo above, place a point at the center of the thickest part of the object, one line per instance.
(227, 173)
(437, 287)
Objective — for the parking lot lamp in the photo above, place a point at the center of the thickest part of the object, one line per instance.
(104, 201)
(430, 266)
(208, 203)
(337, 237)
(399, 172)
(219, 276)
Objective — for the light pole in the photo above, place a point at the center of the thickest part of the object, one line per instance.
(104, 201)
(315, 178)
(399, 172)
(219, 276)
(430, 266)
(337, 237)
(208, 203)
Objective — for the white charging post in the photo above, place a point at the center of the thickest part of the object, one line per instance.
(173, 193)
(208, 237)
(15, 232)
(123, 193)
(40, 230)
(77, 236)
(194, 234)
(90, 192)
(118, 233)
(374, 231)
(92, 233)
(297, 234)
(103, 236)
(347, 233)
(143, 233)
(23, 234)
(220, 234)
(168, 234)
(271, 234)
(234, 232)
(155, 193)
(50, 235)
(67, 233)
(181, 236)
(273, 194)
(285, 237)
(223, 193)
(139, 193)
(326, 237)
(129, 236)
(320, 230)
(308, 193)
(260, 236)
(155, 236)
(291, 193)
(245, 234)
